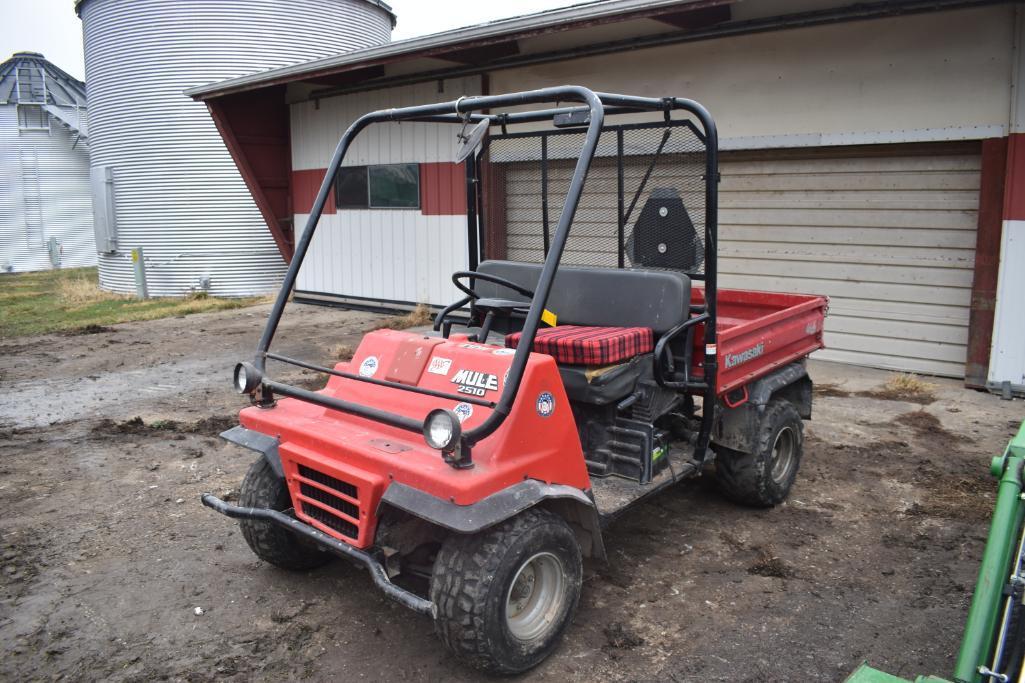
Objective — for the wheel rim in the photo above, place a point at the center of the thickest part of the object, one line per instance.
(783, 449)
(535, 596)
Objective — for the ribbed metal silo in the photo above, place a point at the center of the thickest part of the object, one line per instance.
(45, 207)
(158, 163)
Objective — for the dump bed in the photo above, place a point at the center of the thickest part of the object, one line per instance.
(759, 332)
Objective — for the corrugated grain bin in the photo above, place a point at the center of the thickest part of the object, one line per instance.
(45, 210)
(161, 176)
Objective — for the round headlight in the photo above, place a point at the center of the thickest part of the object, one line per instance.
(442, 430)
(247, 378)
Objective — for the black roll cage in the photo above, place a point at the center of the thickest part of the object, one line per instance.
(461, 111)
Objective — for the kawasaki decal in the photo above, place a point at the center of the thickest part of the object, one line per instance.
(732, 360)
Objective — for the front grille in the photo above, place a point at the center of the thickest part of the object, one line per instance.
(327, 519)
(329, 507)
(343, 487)
(321, 496)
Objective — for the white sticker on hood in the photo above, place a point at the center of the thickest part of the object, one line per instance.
(439, 366)
(463, 411)
(368, 367)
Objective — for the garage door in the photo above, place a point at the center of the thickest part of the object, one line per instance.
(887, 232)
(888, 235)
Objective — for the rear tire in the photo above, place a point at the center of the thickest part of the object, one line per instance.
(764, 478)
(506, 595)
(271, 543)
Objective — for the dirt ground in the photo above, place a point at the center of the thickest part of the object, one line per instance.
(110, 568)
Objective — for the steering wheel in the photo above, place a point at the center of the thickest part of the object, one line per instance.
(490, 306)
(494, 279)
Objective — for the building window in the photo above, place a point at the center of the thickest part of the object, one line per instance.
(390, 186)
(351, 187)
(396, 186)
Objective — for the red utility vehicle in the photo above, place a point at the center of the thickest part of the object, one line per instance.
(471, 468)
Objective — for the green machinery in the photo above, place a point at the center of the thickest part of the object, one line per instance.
(993, 647)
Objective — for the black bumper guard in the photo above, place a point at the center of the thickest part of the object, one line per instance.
(376, 569)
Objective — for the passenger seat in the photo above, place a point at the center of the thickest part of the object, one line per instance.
(609, 320)
(580, 345)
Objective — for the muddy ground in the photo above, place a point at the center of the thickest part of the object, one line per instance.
(110, 568)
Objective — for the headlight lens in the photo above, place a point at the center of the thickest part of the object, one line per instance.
(246, 379)
(240, 379)
(442, 430)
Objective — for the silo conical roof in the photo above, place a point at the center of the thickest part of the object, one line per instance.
(28, 78)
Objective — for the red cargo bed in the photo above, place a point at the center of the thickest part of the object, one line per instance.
(760, 331)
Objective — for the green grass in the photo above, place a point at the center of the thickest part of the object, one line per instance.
(68, 300)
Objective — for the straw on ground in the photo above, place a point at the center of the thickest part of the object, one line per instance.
(418, 317)
(71, 299)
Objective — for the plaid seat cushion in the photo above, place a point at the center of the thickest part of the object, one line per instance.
(578, 345)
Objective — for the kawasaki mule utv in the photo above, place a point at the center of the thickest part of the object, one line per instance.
(468, 475)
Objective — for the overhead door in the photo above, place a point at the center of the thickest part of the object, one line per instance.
(886, 231)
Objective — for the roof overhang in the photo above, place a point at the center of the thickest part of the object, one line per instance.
(456, 43)
(587, 29)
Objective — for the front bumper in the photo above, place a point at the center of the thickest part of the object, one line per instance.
(376, 569)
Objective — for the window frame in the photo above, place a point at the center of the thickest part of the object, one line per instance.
(368, 202)
(366, 187)
(370, 190)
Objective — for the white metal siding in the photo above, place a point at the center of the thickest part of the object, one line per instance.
(386, 255)
(44, 193)
(381, 254)
(930, 76)
(177, 191)
(316, 129)
(888, 235)
(1007, 360)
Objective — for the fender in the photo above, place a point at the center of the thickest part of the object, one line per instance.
(737, 425)
(793, 376)
(500, 506)
(261, 443)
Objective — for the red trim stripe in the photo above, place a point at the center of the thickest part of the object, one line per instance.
(442, 189)
(305, 185)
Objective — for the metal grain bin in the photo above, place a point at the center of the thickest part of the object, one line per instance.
(45, 208)
(161, 176)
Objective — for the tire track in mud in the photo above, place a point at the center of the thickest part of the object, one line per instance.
(44, 402)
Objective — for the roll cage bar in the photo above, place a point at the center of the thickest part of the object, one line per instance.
(468, 109)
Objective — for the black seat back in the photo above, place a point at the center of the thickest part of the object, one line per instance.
(664, 235)
(600, 297)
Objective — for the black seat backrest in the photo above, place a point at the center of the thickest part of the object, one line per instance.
(600, 297)
(664, 235)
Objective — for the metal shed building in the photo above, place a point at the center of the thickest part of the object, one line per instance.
(45, 206)
(870, 155)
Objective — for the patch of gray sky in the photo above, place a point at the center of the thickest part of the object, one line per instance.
(52, 27)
